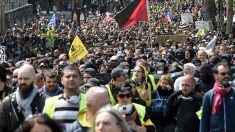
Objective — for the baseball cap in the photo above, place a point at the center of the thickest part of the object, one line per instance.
(116, 72)
(90, 71)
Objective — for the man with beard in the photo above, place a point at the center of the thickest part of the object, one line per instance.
(22, 103)
(218, 103)
(51, 87)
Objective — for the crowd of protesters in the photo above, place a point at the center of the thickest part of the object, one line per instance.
(174, 86)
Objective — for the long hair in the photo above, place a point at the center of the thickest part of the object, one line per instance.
(119, 118)
(167, 78)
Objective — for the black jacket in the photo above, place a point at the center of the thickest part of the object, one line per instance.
(184, 111)
(11, 118)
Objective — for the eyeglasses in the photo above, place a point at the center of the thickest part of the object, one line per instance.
(124, 95)
(224, 73)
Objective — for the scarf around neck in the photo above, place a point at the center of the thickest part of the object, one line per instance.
(219, 94)
(24, 104)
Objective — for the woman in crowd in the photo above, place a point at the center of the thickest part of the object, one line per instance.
(107, 120)
(143, 87)
(135, 114)
(40, 123)
(135, 95)
(159, 98)
(189, 69)
(188, 56)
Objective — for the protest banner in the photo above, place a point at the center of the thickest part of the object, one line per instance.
(186, 18)
(175, 38)
(202, 25)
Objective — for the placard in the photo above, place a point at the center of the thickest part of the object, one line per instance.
(186, 18)
(175, 38)
(202, 25)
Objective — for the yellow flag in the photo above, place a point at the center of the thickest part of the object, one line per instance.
(77, 50)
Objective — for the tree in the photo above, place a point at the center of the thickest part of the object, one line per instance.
(229, 17)
(211, 11)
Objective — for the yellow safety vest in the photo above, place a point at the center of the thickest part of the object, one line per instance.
(199, 113)
(112, 99)
(151, 77)
(50, 104)
(140, 110)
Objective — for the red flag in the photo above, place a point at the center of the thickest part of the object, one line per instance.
(166, 20)
(134, 12)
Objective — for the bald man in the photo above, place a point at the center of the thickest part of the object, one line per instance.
(26, 100)
(184, 104)
(96, 97)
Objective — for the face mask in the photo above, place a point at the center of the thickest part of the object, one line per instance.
(160, 72)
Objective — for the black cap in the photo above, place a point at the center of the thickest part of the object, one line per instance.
(116, 72)
(91, 71)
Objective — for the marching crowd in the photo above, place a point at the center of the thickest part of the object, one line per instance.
(127, 82)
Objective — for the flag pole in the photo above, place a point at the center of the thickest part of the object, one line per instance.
(149, 21)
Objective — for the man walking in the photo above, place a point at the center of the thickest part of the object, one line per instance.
(219, 103)
(51, 87)
(183, 105)
(96, 97)
(22, 103)
(64, 108)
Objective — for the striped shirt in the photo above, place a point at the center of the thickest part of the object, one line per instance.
(66, 112)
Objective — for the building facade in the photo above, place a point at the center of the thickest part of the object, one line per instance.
(14, 11)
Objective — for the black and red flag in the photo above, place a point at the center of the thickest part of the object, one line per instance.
(134, 12)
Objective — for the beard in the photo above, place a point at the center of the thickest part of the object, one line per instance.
(25, 89)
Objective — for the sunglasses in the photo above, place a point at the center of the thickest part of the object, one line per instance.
(224, 73)
(124, 95)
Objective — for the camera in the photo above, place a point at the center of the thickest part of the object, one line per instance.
(126, 109)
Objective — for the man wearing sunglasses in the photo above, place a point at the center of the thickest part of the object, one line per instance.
(219, 103)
